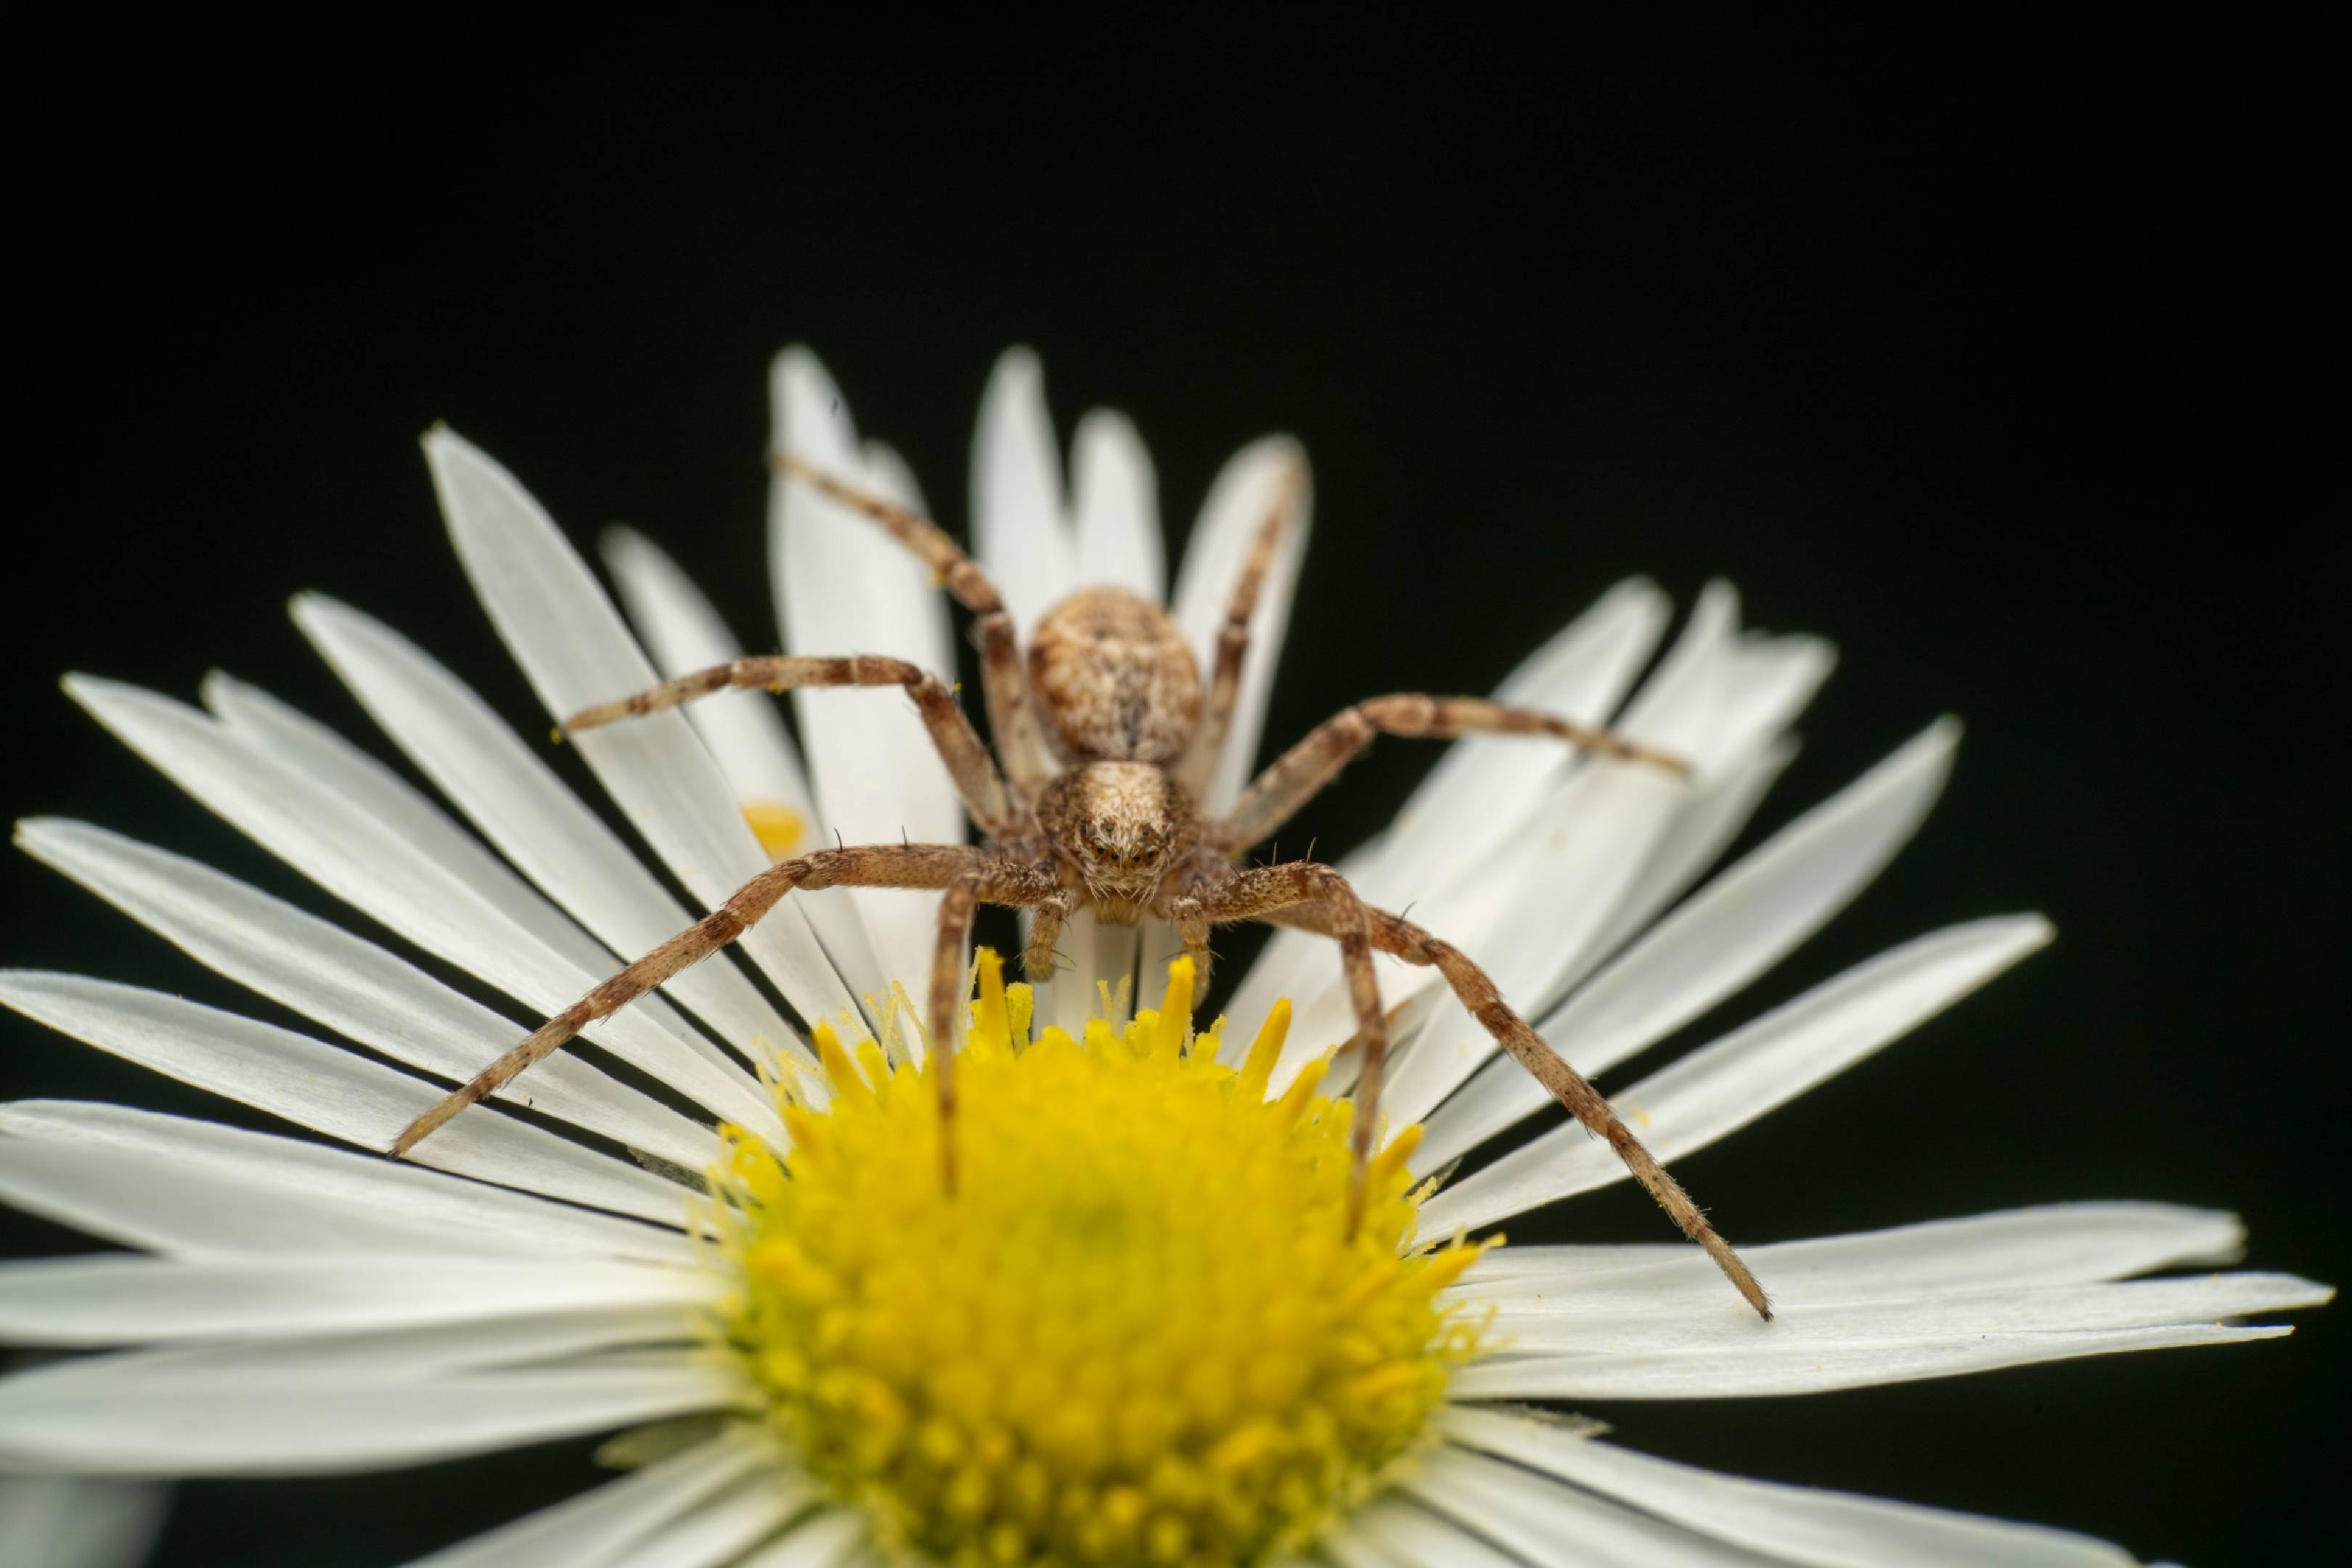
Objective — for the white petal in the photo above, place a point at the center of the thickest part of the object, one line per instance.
(1117, 499)
(1736, 927)
(1718, 808)
(597, 1528)
(67, 1521)
(1019, 530)
(113, 1298)
(1481, 793)
(825, 1540)
(570, 643)
(329, 1090)
(2061, 1244)
(391, 870)
(1731, 1082)
(1238, 502)
(1437, 1061)
(1391, 1533)
(1793, 1524)
(1531, 909)
(1616, 1328)
(515, 800)
(1794, 1365)
(682, 631)
(197, 1189)
(1097, 956)
(843, 586)
(1544, 901)
(744, 730)
(349, 985)
(1551, 1523)
(1484, 787)
(721, 1529)
(211, 1412)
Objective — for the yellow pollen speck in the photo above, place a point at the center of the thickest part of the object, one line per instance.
(780, 829)
(1139, 1333)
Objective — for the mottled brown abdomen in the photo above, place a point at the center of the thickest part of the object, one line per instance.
(1113, 679)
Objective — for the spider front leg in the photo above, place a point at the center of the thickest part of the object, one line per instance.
(1044, 931)
(1478, 993)
(994, 882)
(1003, 683)
(870, 866)
(959, 747)
(1251, 895)
(1297, 776)
(1190, 916)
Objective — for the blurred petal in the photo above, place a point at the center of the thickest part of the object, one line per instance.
(113, 1300)
(332, 1091)
(349, 984)
(1731, 1082)
(571, 644)
(197, 1189)
(69, 1521)
(1739, 926)
(744, 730)
(843, 586)
(824, 1539)
(387, 870)
(1115, 497)
(1018, 532)
(1791, 1524)
(240, 1410)
(511, 796)
(2061, 1244)
(1238, 502)
(601, 1527)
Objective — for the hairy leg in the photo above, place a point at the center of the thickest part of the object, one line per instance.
(959, 747)
(1301, 772)
(1252, 894)
(873, 866)
(1392, 934)
(994, 883)
(1200, 761)
(1190, 917)
(1002, 681)
(1048, 916)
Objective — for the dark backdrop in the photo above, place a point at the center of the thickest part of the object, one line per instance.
(2001, 351)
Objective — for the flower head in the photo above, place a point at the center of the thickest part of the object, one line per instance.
(1142, 1328)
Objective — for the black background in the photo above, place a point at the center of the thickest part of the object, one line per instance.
(2008, 354)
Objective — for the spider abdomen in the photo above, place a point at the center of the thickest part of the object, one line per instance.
(1113, 678)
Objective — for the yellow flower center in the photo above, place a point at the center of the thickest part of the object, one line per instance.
(779, 828)
(1141, 1330)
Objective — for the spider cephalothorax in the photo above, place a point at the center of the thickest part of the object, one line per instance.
(1120, 828)
(1115, 827)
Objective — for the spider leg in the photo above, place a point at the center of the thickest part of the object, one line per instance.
(1044, 931)
(1190, 916)
(1002, 681)
(870, 866)
(1200, 759)
(1252, 894)
(986, 882)
(1392, 934)
(1297, 776)
(959, 745)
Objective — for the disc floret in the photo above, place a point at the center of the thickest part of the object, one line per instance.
(1141, 1332)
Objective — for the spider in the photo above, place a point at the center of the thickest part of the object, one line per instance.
(1115, 827)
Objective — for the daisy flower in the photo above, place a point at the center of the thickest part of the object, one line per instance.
(1139, 1332)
